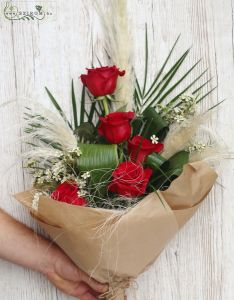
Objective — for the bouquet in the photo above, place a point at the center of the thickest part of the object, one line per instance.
(114, 185)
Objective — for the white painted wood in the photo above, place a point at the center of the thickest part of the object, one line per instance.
(198, 264)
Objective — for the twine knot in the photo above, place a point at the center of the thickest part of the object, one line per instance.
(116, 290)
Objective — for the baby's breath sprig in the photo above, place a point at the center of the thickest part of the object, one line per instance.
(58, 169)
(197, 147)
(179, 113)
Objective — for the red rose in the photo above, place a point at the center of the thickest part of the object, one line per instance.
(102, 81)
(68, 192)
(130, 179)
(116, 127)
(139, 148)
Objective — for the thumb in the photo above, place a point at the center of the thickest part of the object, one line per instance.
(95, 285)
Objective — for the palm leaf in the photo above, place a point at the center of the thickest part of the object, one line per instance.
(207, 94)
(99, 61)
(162, 68)
(74, 107)
(146, 59)
(212, 107)
(202, 86)
(167, 79)
(137, 96)
(91, 112)
(176, 84)
(57, 106)
(96, 113)
(82, 106)
(185, 90)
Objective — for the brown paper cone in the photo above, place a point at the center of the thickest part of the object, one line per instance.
(116, 246)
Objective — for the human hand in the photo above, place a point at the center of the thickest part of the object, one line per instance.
(22, 246)
(68, 278)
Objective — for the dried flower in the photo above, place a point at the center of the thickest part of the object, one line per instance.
(180, 113)
(199, 147)
(85, 175)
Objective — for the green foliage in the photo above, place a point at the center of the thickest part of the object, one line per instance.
(82, 106)
(89, 115)
(163, 84)
(57, 107)
(74, 107)
(169, 170)
(100, 161)
(154, 124)
(155, 161)
(150, 123)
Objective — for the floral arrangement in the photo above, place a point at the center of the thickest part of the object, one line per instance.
(116, 159)
(128, 170)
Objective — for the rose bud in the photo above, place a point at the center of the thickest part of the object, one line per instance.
(116, 127)
(68, 192)
(101, 81)
(139, 148)
(130, 179)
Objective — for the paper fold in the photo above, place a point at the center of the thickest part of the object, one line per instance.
(115, 246)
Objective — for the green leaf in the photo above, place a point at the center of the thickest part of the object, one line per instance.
(169, 170)
(178, 160)
(217, 104)
(95, 156)
(154, 124)
(185, 90)
(163, 181)
(98, 111)
(91, 112)
(57, 106)
(99, 61)
(162, 68)
(138, 89)
(207, 94)
(146, 59)
(202, 86)
(100, 161)
(82, 106)
(167, 79)
(55, 103)
(177, 83)
(137, 125)
(74, 107)
(137, 96)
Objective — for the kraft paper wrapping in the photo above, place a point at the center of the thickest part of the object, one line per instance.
(116, 246)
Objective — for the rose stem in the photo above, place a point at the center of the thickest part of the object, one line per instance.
(105, 105)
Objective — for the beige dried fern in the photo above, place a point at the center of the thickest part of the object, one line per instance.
(118, 43)
(180, 135)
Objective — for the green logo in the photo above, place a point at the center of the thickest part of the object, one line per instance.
(13, 12)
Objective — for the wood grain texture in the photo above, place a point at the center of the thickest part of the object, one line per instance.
(198, 264)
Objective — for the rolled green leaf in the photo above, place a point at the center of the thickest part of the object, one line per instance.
(95, 156)
(100, 161)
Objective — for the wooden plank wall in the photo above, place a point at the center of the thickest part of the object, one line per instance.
(198, 264)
